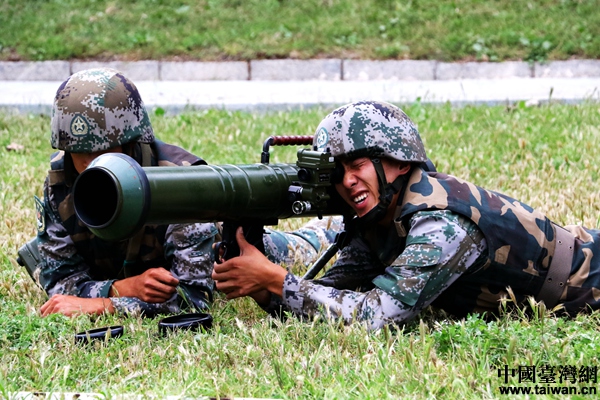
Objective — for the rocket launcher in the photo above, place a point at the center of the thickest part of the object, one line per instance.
(115, 197)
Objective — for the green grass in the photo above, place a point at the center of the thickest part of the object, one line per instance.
(544, 155)
(254, 29)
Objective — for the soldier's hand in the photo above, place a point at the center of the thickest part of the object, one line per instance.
(249, 273)
(155, 285)
(72, 305)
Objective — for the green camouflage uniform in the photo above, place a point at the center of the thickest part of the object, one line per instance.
(98, 109)
(452, 244)
(348, 290)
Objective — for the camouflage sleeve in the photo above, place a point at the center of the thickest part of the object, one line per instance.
(64, 271)
(440, 247)
(188, 248)
(299, 247)
(135, 306)
(302, 246)
(354, 267)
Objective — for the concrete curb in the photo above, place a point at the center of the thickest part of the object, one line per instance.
(300, 70)
(178, 96)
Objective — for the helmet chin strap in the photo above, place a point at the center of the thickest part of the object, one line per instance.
(386, 194)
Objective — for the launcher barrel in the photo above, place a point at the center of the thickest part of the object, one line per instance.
(115, 196)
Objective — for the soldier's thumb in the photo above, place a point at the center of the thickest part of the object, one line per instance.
(241, 240)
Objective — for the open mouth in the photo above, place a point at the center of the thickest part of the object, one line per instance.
(360, 198)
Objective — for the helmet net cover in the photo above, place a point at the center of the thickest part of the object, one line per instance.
(98, 109)
(370, 129)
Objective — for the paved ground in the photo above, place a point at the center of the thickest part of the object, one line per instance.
(282, 84)
(251, 95)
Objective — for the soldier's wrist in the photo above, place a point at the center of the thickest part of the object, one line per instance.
(276, 279)
(120, 288)
(107, 306)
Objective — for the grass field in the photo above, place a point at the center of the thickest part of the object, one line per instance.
(255, 29)
(545, 156)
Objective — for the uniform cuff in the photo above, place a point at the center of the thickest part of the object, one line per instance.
(104, 290)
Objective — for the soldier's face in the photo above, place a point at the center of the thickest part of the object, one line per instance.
(82, 160)
(360, 188)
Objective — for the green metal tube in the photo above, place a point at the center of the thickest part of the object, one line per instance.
(115, 197)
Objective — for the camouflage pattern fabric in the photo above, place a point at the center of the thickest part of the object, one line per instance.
(454, 245)
(98, 109)
(521, 244)
(370, 129)
(302, 246)
(346, 291)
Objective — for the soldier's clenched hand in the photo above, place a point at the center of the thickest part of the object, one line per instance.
(249, 273)
(155, 285)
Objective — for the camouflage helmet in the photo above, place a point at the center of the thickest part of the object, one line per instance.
(97, 109)
(370, 129)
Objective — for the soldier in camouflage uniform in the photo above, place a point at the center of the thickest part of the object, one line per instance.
(421, 237)
(163, 268)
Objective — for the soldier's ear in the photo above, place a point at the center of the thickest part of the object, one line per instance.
(404, 167)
